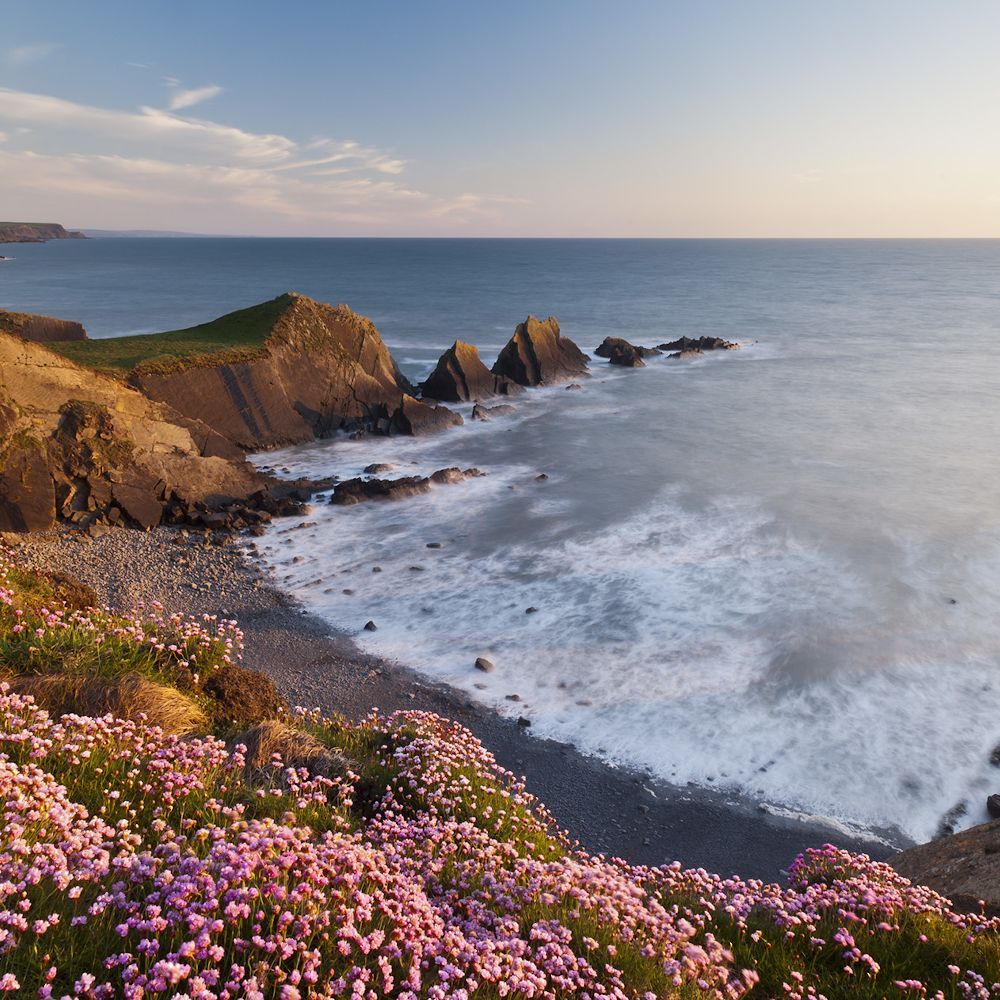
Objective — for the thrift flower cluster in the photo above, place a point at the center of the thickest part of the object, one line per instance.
(140, 865)
(43, 636)
(137, 864)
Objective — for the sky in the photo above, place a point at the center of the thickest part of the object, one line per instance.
(709, 118)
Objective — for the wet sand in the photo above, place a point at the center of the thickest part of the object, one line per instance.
(607, 809)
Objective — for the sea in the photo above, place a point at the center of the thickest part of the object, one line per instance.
(773, 572)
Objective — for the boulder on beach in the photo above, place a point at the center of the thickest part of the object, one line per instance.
(461, 376)
(538, 354)
(701, 343)
(353, 491)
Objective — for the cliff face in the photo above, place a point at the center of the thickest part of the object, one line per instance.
(35, 232)
(321, 368)
(40, 329)
(76, 444)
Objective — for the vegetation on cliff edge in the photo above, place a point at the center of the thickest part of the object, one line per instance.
(139, 864)
(236, 336)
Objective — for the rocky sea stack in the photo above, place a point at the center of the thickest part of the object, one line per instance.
(461, 376)
(538, 354)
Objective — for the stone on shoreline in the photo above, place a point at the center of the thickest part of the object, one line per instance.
(483, 664)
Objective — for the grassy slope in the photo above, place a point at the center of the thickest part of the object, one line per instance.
(229, 337)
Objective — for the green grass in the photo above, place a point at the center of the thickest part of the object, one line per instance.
(236, 336)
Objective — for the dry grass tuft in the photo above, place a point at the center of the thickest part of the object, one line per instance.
(295, 748)
(242, 697)
(125, 697)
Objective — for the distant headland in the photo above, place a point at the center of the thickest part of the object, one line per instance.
(36, 232)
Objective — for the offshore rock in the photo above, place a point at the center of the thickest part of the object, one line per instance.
(621, 352)
(538, 354)
(415, 417)
(461, 376)
(691, 352)
(701, 343)
(353, 491)
(480, 412)
(612, 346)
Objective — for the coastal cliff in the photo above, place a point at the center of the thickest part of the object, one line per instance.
(36, 232)
(40, 329)
(278, 373)
(78, 445)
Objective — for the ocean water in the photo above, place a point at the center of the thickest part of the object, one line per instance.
(773, 571)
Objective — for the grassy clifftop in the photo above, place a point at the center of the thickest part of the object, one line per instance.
(231, 337)
(311, 858)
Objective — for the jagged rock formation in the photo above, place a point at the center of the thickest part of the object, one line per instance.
(35, 232)
(691, 352)
(413, 416)
(621, 352)
(538, 354)
(461, 376)
(699, 343)
(81, 446)
(965, 867)
(319, 369)
(40, 329)
(353, 491)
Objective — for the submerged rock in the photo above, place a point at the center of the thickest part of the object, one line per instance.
(691, 352)
(538, 354)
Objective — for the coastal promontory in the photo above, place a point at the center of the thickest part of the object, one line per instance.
(36, 232)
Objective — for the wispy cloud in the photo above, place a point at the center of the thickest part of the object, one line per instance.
(189, 98)
(25, 55)
(138, 166)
